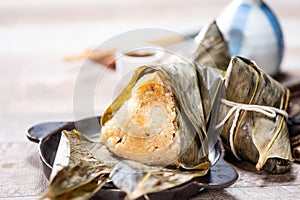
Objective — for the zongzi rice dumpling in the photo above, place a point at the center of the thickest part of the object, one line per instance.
(213, 50)
(145, 126)
(158, 118)
(253, 117)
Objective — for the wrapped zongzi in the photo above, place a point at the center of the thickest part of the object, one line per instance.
(212, 50)
(253, 117)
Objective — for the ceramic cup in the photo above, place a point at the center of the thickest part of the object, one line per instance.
(131, 57)
(253, 31)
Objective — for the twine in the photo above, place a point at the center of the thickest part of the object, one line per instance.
(236, 109)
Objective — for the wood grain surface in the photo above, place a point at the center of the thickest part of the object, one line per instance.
(21, 172)
(37, 85)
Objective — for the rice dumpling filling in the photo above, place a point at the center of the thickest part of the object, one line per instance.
(144, 129)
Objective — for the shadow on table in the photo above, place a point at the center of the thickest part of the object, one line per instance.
(247, 170)
(213, 194)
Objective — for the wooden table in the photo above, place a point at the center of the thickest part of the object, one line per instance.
(37, 85)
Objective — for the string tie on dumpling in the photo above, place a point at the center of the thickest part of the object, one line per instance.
(236, 108)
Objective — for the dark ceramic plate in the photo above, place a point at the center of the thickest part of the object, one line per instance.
(48, 135)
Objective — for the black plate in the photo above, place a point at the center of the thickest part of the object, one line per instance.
(48, 135)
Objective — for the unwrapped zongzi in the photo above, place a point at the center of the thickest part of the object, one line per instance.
(158, 119)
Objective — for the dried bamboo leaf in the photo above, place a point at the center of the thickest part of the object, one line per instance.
(213, 50)
(257, 138)
(80, 178)
(86, 191)
(83, 171)
(211, 87)
(138, 180)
